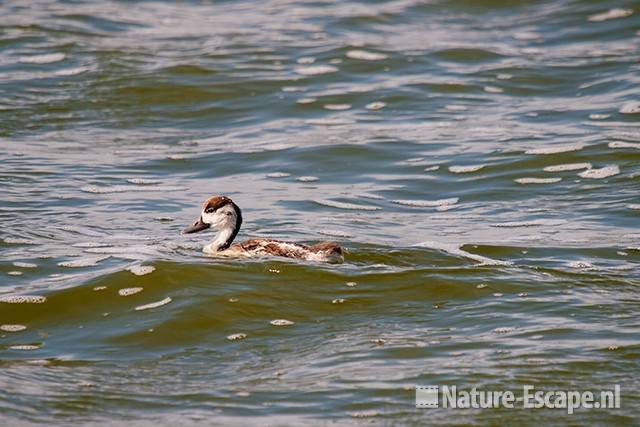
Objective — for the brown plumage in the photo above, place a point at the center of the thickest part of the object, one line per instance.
(221, 213)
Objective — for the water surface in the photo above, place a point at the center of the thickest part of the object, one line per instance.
(479, 161)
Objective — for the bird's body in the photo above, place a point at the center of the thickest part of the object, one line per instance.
(222, 214)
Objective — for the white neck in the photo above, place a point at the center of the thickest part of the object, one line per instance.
(221, 238)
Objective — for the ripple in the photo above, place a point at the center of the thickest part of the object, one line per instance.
(378, 105)
(531, 180)
(156, 304)
(348, 206)
(427, 203)
(43, 59)
(623, 144)
(366, 55)
(616, 13)
(315, 70)
(455, 249)
(307, 179)
(67, 72)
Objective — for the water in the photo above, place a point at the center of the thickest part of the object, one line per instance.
(479, 161)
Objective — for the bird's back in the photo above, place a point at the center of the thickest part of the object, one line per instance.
(323, 251)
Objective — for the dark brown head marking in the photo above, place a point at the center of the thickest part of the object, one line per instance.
(214, 203)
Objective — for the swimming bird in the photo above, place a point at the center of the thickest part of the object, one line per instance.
(223, 215)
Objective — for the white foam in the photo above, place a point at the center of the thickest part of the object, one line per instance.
(336, 107)
(432, 168)
(125, 292)
(616, 13)
(634, 206)
(12, 328)
(582, 265)
(306, 101)
(72, 71)
(530, 180)
(315, 70)
(334, 233)
(25, 264)
(604, 172)
(504, 76)
(14, 273)
(599, 116)
(25, 347)
(329, 122)
(82, 262)
(281, 322)
(454, 107)
(427, 203)
(278, 175)
(493, 89)
(23, 299)
(47, 58)
(141, 270)
(307, 178)
(503, 330)
(17, 241)
(567, 167)
(236, 337)
(378, 105)
(465, 169)
(156, 304)
(306, 60)
(555, 150)
(293, 89)
(366, 55)
(143, 181)
(454, 249)
(349, 206)
(632, 107)
(623, 144)
(106, 189)
(532, 223)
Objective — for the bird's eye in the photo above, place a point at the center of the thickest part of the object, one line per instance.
(210, 210)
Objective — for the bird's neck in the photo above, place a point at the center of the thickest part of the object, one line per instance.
(224, 238)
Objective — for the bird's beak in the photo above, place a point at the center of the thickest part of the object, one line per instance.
(197, 226)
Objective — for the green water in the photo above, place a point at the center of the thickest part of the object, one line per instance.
(430, 139)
